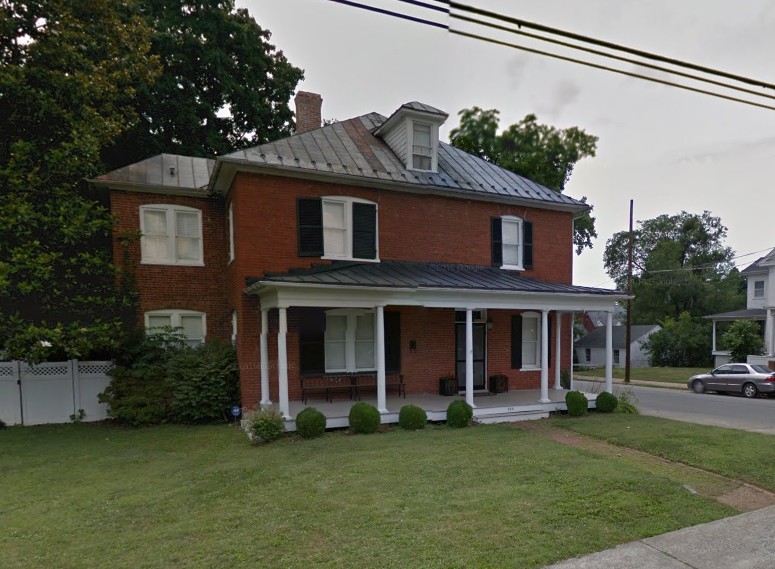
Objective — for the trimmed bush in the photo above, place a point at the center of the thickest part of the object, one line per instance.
(412, 417)
(565, 378)
(364, 418)
(266, 425)
(606, 402)
(577, 403)
(459, 414)
(310, 423)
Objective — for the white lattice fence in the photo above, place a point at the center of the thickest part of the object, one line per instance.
(52, 392)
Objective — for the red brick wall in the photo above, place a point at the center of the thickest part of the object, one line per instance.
(170, 286)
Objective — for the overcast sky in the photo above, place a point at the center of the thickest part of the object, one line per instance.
(667, 149)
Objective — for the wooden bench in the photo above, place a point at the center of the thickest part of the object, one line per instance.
(369, 383)
(328, 385)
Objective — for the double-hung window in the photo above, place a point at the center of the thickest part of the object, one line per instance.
(422, 146)
(531, 345)
(171, 235)
(349, 341)
(188, 324)
(512, 243)
(337, 227)
(758, 289)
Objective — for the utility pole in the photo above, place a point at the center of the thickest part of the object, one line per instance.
(628, 335)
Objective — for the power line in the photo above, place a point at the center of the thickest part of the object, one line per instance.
(395, 14)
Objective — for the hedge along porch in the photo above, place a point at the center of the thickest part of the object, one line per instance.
(423, 317)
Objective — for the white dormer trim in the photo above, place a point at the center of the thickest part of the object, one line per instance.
(398, 133)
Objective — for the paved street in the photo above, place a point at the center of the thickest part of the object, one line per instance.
(732, 411)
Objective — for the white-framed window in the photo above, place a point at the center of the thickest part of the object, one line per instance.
(189, 324)
(616, 357)
(171, 235)
(758, 289)
(349, 228)
(511, 236)
(531, 340)
(234, 327)
(349, 340)
(231, 232)
(422, 146)
(587, 354)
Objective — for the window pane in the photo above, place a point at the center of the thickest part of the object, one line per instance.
(334, 229)
(333, 215)
(192, 326)
(155, 247)
(334, 241)
(530, 329)
(364, 327)
(510, 254)
(421, 162)
(510, 230)
(335, 355)
(187, 248)
(422, 135)
(154, 222)
(364, 355)
(157, 321)
(336, 327)
(187, 224)
(529, 341)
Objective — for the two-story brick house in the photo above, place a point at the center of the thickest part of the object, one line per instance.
(759, 306)
(363, 249)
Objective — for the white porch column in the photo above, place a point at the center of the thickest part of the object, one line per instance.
(470, 356)
(381, 399)
(714, 339)
(557, 350)
(264, 345)
(572, 346)
(282, 363)
(609, 351)
(544, 357)
(768, 333)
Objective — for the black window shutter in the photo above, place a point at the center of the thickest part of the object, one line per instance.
(312, 349)
(527, 239)
(392, 342)
(497, 242)
(516, 341)
(364, 231)
(309, 213)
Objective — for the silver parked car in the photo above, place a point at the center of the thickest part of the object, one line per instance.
(750, 380)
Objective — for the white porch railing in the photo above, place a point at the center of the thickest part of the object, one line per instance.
(761, 360)
(52, 392)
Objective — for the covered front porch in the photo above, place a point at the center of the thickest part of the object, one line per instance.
(447, 315)
(516, 405)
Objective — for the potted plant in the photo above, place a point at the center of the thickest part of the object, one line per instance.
(499, 383)
(448, 384)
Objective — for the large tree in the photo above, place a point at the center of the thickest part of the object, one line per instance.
(680, 264)
(540, 152)
(223, 86)
(68, 72)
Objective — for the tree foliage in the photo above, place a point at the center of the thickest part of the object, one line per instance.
(539, 152)
(223, 86)
(68, 80)
(682, 342)
(743, 337)
(680, 264)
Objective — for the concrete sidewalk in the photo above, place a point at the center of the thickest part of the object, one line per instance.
(665, 384)
(746, 541)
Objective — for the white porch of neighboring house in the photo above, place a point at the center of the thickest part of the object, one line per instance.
(375, 286)
(763, 315)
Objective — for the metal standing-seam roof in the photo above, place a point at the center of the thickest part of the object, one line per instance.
(169, 171)
(415, 275)
(349, 148)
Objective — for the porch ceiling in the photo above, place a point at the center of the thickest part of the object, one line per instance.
(424, 284)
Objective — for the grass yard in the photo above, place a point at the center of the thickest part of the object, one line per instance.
(666, 374)
(487, 496)
(736, 454)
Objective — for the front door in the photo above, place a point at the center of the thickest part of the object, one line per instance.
(480, 355)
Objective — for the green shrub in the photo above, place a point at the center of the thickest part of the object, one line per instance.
(364, 418)
(265, 425)
(2, 424)
(606, 402)
(412, 417)
(577, 403)
(204, 382)
(459, 414)
(138, 396)
(627, 404)
(310, 423)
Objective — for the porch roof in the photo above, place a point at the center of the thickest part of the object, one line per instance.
(414, 275)
(746, 314)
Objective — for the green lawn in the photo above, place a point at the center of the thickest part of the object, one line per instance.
(729, 452)
(666, 374)
(79, 496)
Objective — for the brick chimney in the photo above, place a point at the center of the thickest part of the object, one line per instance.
(308, 107)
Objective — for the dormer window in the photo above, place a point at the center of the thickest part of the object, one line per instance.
(422, 146)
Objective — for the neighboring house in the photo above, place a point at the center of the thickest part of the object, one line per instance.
(591, 349)
(363, 248)
(759, 306)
